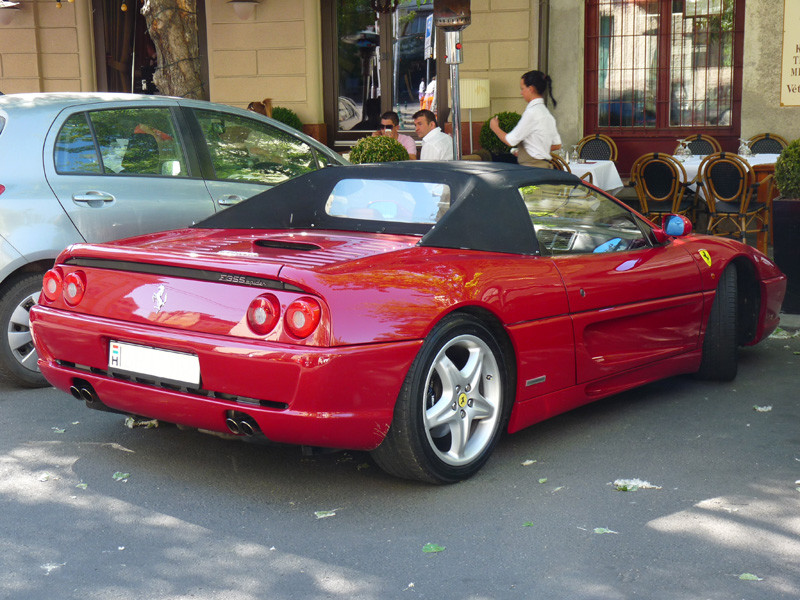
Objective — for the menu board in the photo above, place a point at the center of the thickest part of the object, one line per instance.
(790, 66)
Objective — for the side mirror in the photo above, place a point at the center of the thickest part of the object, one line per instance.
(676, 225)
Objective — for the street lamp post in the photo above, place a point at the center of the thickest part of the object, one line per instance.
(451, 16)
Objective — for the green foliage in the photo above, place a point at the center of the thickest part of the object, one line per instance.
(787, 171)
(492, 143)
(378, 148)
(287, 116)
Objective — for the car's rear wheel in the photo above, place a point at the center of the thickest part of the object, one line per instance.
(18, 357)
(452, 408)
(720, 346)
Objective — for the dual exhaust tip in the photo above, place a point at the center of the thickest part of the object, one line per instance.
(83, 391)
(240, 423)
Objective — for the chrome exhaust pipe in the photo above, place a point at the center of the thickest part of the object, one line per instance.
(233, 426)
(76, 393)
(249, 428)
(88, 394)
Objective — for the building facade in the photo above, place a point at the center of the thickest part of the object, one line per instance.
(645, 72)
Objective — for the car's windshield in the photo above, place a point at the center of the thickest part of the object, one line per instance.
(384, 200)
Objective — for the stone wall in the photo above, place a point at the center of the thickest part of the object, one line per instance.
(46, 49)
(275, 54)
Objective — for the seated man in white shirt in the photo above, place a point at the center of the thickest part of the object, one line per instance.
(436, 144)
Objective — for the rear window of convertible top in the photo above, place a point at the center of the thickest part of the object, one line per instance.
(387, 200)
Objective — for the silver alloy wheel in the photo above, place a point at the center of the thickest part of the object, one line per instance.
(20, 340)
(463, 392)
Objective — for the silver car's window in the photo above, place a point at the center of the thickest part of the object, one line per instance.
(244, 149)
(574, 219)
(384, 200)
(75, 151)
(139, 141)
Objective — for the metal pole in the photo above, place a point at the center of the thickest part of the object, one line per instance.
(453, 53)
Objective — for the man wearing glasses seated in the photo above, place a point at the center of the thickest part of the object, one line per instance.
(390, 127)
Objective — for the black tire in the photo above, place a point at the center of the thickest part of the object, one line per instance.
(474, 403)
(720, 346)
(18, 357)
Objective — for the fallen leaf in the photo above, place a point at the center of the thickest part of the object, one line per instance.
(430, 548)
(543, 480)
(132, 422)
(631, 485)
(528, 524)
(528, 463)
(58, 429)
(120, 476)
(762, 408)
(750, 577)
(324, 514)
(604, 530)
(82, 486)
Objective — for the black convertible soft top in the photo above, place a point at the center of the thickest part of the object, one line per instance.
(487, 211)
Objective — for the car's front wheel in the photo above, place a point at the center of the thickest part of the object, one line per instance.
(720, 346)
(452, 407)
(18, 357)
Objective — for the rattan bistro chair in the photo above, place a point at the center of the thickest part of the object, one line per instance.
(731, 193)
(767, 143)
(661, 186)
(701, 144)
(597, 147)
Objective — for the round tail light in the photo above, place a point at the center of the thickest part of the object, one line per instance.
(51, 284)
(74, 287)
(263, 314)
(302, 317)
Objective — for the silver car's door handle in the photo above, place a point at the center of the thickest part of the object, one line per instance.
(229, 199)
(92, 197)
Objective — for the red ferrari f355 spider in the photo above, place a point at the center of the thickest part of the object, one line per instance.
(416, 311)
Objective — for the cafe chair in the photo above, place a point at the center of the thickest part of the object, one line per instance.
(730, 190)
(701, 144)
(597, 147)
(767, 143)
(661, 186)
(559, 164)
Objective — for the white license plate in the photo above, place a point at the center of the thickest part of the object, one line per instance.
(163, 365)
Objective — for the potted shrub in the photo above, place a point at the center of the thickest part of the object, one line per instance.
(786, 223)
(489, 141)
(287, 116)
(378, 148)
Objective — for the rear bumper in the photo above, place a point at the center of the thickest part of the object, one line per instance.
(333, 397)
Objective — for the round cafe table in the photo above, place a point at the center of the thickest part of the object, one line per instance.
(604, 173)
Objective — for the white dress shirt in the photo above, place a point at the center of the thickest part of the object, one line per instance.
(536, 130)
(437, 145)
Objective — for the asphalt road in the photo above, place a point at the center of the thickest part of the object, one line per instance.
(202, 517)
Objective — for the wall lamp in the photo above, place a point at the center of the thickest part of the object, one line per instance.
(244, 9)
(8, 10)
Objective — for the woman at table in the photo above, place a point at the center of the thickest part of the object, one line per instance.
(536, 129)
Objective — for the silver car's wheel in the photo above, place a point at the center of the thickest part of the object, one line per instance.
(18, 357)
(453, 405)
(462, 400)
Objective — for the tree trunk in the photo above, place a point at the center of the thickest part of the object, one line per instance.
(172, 25)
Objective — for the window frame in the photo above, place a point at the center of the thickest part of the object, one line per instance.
(633, 141)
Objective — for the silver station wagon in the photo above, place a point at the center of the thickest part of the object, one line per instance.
(97, 167)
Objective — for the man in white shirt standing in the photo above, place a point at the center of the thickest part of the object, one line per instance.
(436, 144)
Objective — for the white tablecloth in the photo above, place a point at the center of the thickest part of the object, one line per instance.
(604, 173)
(692, 164)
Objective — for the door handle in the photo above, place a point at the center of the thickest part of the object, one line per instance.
(93, 197)
(229, 199)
